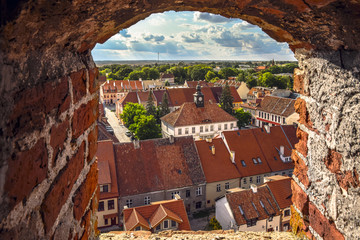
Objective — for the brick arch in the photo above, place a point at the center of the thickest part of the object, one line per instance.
(49, 107)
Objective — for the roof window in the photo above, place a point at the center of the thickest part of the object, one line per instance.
(254, 160)
(259, 160)
(243, 163)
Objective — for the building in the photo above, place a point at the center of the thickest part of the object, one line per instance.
(158, 216)
(193, 84)
(153, 84)
(241, 87)
(199, 119)
(259, 93)
(220, 173)
(112, 91)
(167, 77)
(158, 169)
(248, 210)
(108, 200)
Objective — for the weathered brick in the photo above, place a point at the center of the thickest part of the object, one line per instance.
(86, 224)
(26, 170)
(79, 84)
(304, 117)
(84, 117)
(83, 195)
(58, 137)
(59, 192)
(299, 198)
(323, 226)
(92, 139)
(301, 146)
(333, 161)
(93, 80)
(299, 82)
(347, 179)
(300, 169)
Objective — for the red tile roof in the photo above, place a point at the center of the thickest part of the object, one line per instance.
(106, 164)
(189, 114)
(218, 166)
(193, 84)
(129, 97)
(178, 96)
(162, 165)
(281, 190)
(121, 85)
(167, 75)
(277, 105)
(152, 215)
(246, 205)
(103, 134)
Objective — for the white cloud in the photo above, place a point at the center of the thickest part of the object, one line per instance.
(209, 17)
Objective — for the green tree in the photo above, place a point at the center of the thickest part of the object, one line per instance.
(164, 106)
(267, 79)
(123, 72)
(198, 72)
(131, 112)
(150, 108)
(226, 99)
(136, 75)
(241, 76)
(227, 72)
(214, 224)
(145, 127)
(167, 83)
(251, 81)
(243, 117)
(210, 75)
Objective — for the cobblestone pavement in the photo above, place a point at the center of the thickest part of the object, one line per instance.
(119, 129)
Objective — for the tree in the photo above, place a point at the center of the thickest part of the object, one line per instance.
(226, 99)
(227, 72)
(164, 107)
(267, 79)
(243, 117)
(167, 83)
(131, 112)
(145, 127)
(214, 224)
(150, 108)
(210, 75)
(251, 81)
(136, 75)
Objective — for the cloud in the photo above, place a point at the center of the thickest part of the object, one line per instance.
(191, 38)
(243, 25)
(112, 45)
(167, 47)
(209, 17)
(156, 38)
(124, 33)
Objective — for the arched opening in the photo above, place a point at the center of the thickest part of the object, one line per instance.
(48, 85)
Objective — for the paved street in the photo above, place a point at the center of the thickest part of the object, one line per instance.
(119, 130)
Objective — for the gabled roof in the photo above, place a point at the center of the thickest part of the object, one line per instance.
(158, 94)
(277, 105)
(246, 205)
(281, 190)
(153, 214)
(162, 165)
(189, 114)
(103, 134)
(121, 85)
(193, 84)
(107, 169)
(178, 96)
(218, 166)
(129, 97)
(167, 75)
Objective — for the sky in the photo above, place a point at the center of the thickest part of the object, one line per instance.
(191, 36)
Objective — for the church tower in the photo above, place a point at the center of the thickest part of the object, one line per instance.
(199, 97)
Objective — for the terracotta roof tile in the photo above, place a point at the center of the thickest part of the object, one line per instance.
(189, 114)
(193, 84)
(103, 134)
(281, 190)
(218, 166)
(277, 105)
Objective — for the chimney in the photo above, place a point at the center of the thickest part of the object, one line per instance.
(107, 81)
(177, 196)
(232, 156)
(125, 207)
(267, 128)
(114, 83)
(213, 150)
(282, 150)
(136, 144)
(253, 188)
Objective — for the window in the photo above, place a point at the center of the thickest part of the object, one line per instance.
(179, 131)
(211, 127)
(287, 212)
(243, 163)
(268, 116)
(206, 128)
(105, 188)
(254, 160)
(101, 206)
(251, 222)
(193, 129)
(201, 128)
(227, 185)
(283, 120)
(225, 126)
(218, 187)
(187, 193)
(166, 224)
(250, 180)
(275, 158)
(111, 204)
(270, 218)
(147, 200)
(158, 227)
(272, 117)
(259, 160)
(173, 194)
(231, 126)
(138, 228)
(244, 181)
(275, 118)
(129, 203)
(106, 222)
(186, 131)
(219, 127)
(173, 223)
(198, 205)
(198, 191)
(258, 179)
(283, 173)
(208, 201)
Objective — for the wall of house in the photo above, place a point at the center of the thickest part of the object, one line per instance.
(224, 215)
(212, 193)
(100, 214)
(293, 118)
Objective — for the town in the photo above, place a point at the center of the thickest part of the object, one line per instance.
(209, 152)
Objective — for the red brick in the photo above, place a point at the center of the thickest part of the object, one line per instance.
(86, 224)
(304, 117)
(59, 192)
(79, 84)
(299, 82)
(333, 161)
(84, 117)
(84, 193)
(347, 179)
(299, 198)
(58, 137)
(93, 80)
(300, 169)
(25, 171)
(323, 226)
(301, 146)
(92, 139)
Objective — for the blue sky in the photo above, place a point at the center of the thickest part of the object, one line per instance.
(191, 36)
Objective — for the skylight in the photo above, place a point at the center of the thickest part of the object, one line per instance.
(259, 160)
(243, 163)
(254, 160)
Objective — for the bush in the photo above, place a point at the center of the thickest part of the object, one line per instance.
(214, 224)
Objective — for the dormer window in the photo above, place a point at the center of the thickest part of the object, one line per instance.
(243, 163)
(254, 160)
(259, 160)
